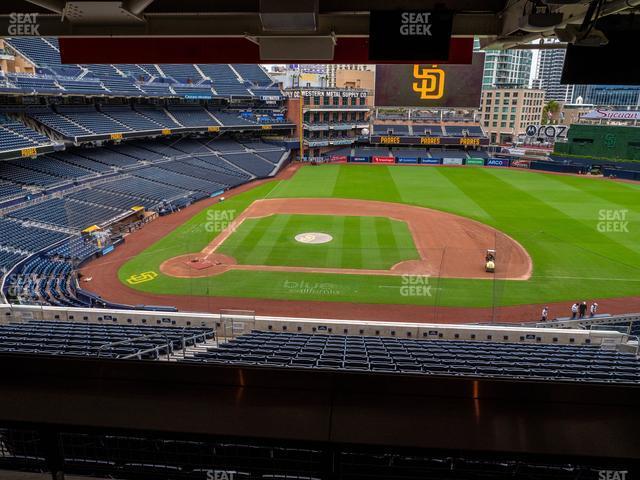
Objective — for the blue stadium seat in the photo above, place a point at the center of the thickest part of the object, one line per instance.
(430, 357)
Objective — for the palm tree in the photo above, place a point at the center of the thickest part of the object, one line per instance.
(549, 111)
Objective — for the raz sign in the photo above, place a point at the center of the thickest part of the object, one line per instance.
(549, 132)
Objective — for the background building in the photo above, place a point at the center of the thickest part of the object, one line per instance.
(339, 73)
(549, 73)
(331, 117)
(507, 68)
(296, 76)
(506, 112)
(325, 76)
(355, 79)
(608, 95)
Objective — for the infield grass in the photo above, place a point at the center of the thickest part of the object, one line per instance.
(583, 235)
(375, 243)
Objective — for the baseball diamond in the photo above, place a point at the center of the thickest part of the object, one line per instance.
(549, 244)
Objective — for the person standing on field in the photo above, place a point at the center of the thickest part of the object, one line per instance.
(545, 314)
(583, 309)
(574, 311)
(594, 309)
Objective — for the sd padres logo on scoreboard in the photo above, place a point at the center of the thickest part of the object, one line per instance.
(431, 84)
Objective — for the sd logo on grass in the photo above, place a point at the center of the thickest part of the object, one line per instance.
(141, 277)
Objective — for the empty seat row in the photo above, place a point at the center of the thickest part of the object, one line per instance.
(64, 338)
(430, 357)
(68, 213)
(27, 238)
(250, 162)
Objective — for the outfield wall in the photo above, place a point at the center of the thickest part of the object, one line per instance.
(230, 324)
(556, 164)
(602, 141)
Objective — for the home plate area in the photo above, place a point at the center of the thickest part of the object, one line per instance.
(313, 238)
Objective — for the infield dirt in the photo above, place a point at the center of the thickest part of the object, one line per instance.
(449, 245)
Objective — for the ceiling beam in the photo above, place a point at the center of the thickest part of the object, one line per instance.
(136, 6)
(237, 25)
(56, 6)
(572, 14)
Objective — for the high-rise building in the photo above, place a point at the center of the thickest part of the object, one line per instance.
(549, 73)
(608, 95)
(507, 68)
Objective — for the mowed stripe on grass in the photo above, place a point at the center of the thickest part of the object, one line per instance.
(358, 242)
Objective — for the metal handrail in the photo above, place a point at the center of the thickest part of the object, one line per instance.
(167, 342)
(129, 340)
(140, 353)
(184, 338)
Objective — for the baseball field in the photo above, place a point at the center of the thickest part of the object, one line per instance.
(404, 235)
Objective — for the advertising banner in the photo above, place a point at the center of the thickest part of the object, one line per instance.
(475, 161)
(359, 159)
(338, 158)
(549, 132)
(601, 114)
(407, 159)
(521, 163)
(497, 162)
(431, 161)
(396, 140)
(197, 96)
(452, 161)
(384, 160)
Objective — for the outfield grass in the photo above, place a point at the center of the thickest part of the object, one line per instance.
(358, 242)
(562, 221)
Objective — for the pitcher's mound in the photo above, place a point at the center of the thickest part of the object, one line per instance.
(195, 265)
(199, 263)
(313, 237)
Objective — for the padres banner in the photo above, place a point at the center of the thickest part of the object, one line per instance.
(418, 85)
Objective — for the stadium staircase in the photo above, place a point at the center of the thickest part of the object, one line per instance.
(191, 351)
